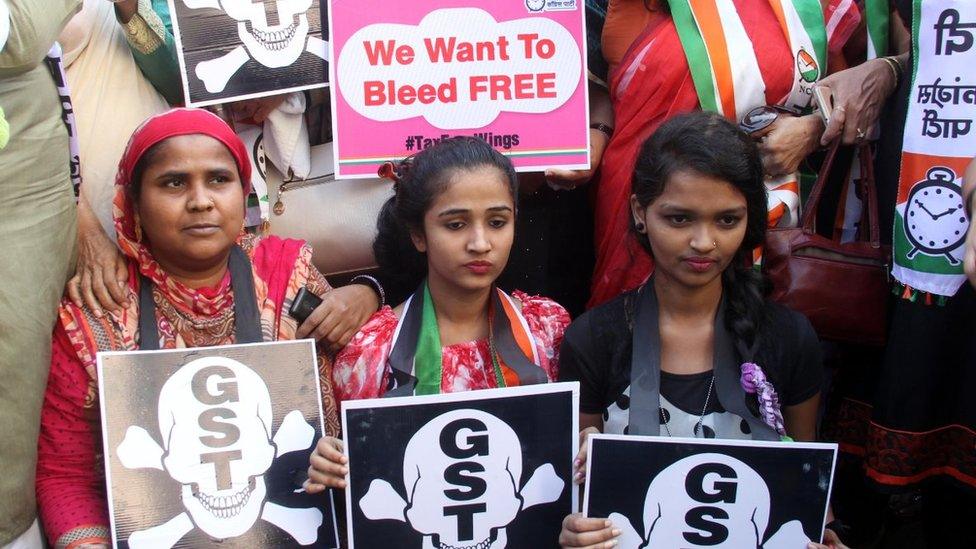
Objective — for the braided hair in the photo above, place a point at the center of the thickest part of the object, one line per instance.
(709, 144)
(419, 180)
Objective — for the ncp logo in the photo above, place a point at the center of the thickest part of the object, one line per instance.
(537, 6)
(807, 66)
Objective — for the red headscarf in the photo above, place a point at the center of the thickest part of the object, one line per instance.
(186, 317)
(153, 131)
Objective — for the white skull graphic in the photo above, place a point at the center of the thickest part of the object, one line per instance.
(215, 419)
(707, 500)
(273, 31)
(462, 472)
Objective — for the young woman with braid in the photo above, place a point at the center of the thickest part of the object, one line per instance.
(697, 351)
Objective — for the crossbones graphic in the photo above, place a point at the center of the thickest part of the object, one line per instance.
(274, 33)
(464, 485)
(214, 418)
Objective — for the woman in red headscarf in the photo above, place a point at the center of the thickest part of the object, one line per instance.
(195, 280)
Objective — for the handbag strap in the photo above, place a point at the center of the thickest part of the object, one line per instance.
(810, 210)
(869, 195)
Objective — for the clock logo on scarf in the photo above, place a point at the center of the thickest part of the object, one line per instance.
(807, 65)
(935, 222)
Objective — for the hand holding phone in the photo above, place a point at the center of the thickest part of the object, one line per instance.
(305, 302)
(825, 102)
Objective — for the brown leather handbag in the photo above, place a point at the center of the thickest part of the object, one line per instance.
(842, 288)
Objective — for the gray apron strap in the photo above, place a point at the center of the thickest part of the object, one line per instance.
(645, 372)
(247, 319)
(402, 381)
(645, 366)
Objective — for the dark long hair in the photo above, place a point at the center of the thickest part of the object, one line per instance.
(709, 144)
(420, 180)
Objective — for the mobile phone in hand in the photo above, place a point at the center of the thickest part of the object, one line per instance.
(305, 302)
(825, 102)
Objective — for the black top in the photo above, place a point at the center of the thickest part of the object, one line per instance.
(596, 351)
(687, 393)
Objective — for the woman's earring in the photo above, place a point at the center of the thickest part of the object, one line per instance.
(640, 227)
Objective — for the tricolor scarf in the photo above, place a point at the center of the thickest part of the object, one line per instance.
(727, 77)
(876, 12)
(939, 143)
(416, 360)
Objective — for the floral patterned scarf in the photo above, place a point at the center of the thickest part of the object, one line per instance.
(189, 317)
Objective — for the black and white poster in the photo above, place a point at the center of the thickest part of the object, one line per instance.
(475, 470)
(671, 493)
(209, 447)
(241, 49)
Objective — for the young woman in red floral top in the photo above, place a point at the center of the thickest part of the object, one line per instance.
(448, 232)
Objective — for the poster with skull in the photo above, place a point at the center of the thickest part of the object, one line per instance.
(678, 492)
(209, 447)
(477, 470)
(240, 49)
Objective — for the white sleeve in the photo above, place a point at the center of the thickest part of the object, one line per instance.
(4, 23)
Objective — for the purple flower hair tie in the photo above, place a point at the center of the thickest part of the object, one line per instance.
(754, 382)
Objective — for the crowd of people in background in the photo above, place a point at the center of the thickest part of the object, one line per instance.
(123, 223)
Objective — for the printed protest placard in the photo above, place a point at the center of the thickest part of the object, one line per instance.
(679, 492)
(209, 447)
(480, 469)
(408, 74)
(240, 49)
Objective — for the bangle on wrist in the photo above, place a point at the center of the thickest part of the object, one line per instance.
(895, 67)
(366, 280)
(602, 128)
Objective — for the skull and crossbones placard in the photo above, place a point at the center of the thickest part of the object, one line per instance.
(477, 470)
(208, 447)
(240, 49)
(674, 492)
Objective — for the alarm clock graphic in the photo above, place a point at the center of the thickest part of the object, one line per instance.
(935, 221)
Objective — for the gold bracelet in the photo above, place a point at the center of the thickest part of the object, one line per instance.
(895, 67)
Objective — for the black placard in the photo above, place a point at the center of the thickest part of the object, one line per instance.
(663, 492)
(226, 56)
(209, 447)
(487, 469)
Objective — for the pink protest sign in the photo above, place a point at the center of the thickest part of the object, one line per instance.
(407, 74)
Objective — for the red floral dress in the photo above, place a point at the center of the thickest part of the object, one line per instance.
(361, 369)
